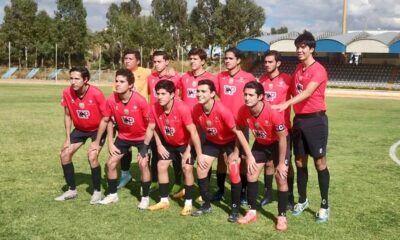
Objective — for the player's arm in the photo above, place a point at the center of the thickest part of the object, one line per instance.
(240, 138)
(311, 87)
(282, 169)
(112, 149)
(95, 145)
(67, 126)
(195, 140)
(147, 138)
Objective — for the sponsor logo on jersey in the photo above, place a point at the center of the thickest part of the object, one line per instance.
(212, 131)
(128, 120)
(260, 134)
(191, 93)
(83, 114)
(169, 131)
(229, 90)
(270, 96)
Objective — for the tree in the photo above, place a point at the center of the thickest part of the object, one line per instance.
(204, 22)
(71, 28)
(239, 19)
(44, 27)
(280, 30)
(132, 8)
(17, 27)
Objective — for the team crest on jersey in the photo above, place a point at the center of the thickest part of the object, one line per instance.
(229, 90)
(191, 93)
(260, 134)
(231, 80)
(194, 83)
(166, 121)
(270, 96)
(81, 105)
(134, 107)
(128, 120)
(270, 85)
(212, 131)
(126, 111)
(90, 101)
(169, 131)
(257, 125)
(299, 88)
(83, 114)
(209, 123)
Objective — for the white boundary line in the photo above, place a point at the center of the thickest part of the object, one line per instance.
(392, 152)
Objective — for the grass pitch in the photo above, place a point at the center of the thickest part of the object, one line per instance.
(364, 192)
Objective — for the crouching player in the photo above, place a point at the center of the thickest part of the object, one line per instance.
(218, 123)
(130, 112)
(174, 121)
(268, 128)
(83, 106)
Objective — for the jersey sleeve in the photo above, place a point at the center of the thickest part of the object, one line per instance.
(101, 101)
(278, 121)
(241, 118)
(227, 117)
(63, 102)
(146, 111)
(196, 114)
(319, 76)
(152, 118)
(108, 108)
(185, 114)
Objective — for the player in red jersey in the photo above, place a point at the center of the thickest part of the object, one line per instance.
(83, 107)
(230, 89)
(177, 132)
(130, 112)
(310, 124)
(218, 123)
(277, 90)
(268, 128)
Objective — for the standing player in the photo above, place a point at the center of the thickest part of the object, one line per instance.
(231, 83)
(83, 107)
(310, 124)
(218, 123)
(173, 120)
(268, 128)
(130, 112)
(276, 86)
(132, 63)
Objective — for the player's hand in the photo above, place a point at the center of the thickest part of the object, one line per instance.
(185, 157)
(251, 165)
(141, 159)
(113, 150)
(282, 170)
(201, 162)
(162, 151)
(280, 107)
(66, 145)
(94, 146)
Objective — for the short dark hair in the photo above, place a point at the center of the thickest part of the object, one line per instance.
(82, 70)
(274, 53)
(134, 52)
(256, 86)
(238, 54)
(305, 38)
(126, 73)
(199, 52)
(164, 54)
(168, 85)
(209, 83)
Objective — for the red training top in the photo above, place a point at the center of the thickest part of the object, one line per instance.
(189, 86)
(154, 78)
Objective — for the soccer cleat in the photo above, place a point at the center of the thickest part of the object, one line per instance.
(300, 207)
(69, 194)
(322, 215)
(250, 217)
(233, 217)
(144, 203)
(124, 180)
(202, 211)
(159, 206)
(110, 198)
(281, 223)
(243, 198)
(96, 197)
(218, 196)
(266, 200)
(179, 194)
(187, 210)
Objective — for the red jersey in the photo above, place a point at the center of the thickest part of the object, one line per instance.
(231, 89)
(189, 86)
(301, 78)
(173, 125)
(131, 117)
(154, 78)
(86, 112)
(217, 124)
(265, 125)
(277, 90)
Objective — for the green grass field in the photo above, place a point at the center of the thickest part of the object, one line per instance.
(364, 193)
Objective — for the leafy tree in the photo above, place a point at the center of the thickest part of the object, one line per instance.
(70, 19)
(44, 27)
(132, 8)
(280, 30)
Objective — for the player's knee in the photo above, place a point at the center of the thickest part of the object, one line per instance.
(234, 173)
(320, 164)
(187, 169)
(65, 156)
(111, 164)
(280, 181)
(162, 166)
(143, 165)
(301, 161)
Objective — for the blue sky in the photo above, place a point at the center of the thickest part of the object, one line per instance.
(314, 15)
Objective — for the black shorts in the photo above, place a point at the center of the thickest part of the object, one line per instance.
(124, 146)
(175, 153)
(78, 136)
(264, 153)
(215, 150)
(310, 134)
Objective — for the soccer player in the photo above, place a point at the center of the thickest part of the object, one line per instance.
(177, 132)
(132, 63)
(230, 88)
(310, 124)
(130, 112)
(277, 90)
(83, 107)
(217, 121)
(268, 128)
